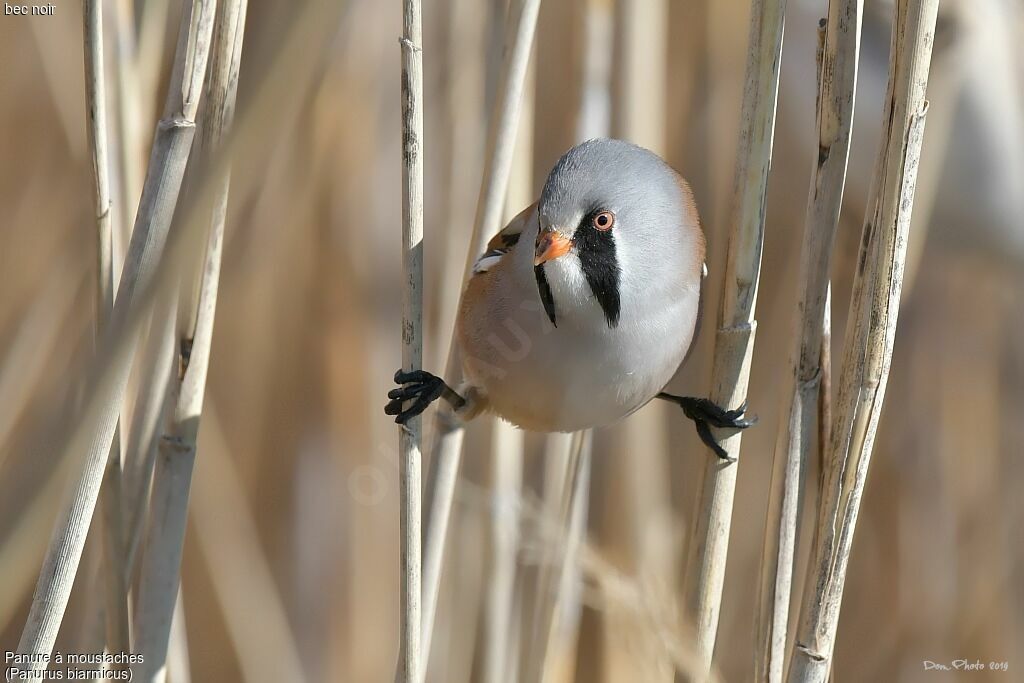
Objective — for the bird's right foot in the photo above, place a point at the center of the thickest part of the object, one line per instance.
(705, 413)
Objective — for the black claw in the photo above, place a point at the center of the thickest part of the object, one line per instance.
(420, 385)
(705, 413)
(709, 440)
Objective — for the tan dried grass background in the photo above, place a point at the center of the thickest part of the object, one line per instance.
(291, 557)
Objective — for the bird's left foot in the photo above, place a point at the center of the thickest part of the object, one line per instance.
(706, 414)
(422, 386)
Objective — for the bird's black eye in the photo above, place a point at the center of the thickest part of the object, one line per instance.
(603, 220)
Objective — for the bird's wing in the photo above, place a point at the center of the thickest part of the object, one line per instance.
(504, 241)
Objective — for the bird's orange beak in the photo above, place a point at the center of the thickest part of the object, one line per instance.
(550, 245)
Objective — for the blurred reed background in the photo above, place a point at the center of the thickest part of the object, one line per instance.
(290, 566)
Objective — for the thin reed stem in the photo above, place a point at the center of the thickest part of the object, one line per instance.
(90, 425)
(96, 116)
(167, 165)
(178, 666)
(151, 406)
(566, 501)
(871, 328)
(638, 488)
(115, 577)
(838, 57)
(447, 444)
(734, 341)
(506, 478)
(825, 390)
(127, 116)
(411, 665)
(172, 477)
(507, 446)
(289, 78)
(159, 581)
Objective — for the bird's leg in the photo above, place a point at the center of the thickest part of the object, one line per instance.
(425, 388)
(705, 414)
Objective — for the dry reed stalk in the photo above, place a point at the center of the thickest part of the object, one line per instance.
(127, 117)
(561, 50)
(734, 341)
(285, 83)
(149, 54)
(541, 536)
(447, 442)
(151, 405)
(867, 351)
(464, 594)
(507, 470)
(170, 151)
(838, 57)
(638, 521)
(87, 629)
(172, 477)
(566, 604)
(96, 117)
(946, 85)
(605, 586)
(411, 664)
(825, 390)
(464, 123)
(595, 72)
(565, 500)
(721, 87)
(507, 444)
(639, 72)
(158, 579)
(115, 576)
(687, 92)
(178, 667)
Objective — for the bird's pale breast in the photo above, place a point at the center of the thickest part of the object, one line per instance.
(577, 375)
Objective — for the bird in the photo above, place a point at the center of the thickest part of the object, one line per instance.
(582, 309)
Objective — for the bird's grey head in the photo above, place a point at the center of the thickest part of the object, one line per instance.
(609, 211)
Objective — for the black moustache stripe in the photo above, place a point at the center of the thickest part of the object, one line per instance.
(545, 293)
(596, 249)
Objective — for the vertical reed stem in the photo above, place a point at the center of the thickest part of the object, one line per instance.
(160, 575)
(836, 94)
(565, 506)
(96, 114)
(825, 390)
(871, 329)
(159, 197)
(447, 446)
(115, 577)
(411, 662)
(507, 446)
(127, 111)
(734, 341)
